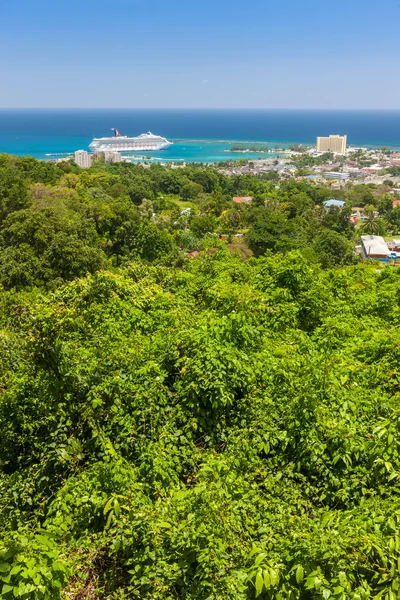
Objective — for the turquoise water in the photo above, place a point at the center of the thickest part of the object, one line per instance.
(53, 147)
(201, 151)
(199, 135)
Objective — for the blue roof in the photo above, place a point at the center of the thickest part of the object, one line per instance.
(339, 203)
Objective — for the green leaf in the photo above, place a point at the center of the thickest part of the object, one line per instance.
(299, 574)
(117, 508)
(4, 567)
(260, 558)
(267, 579)
(317, 582)
(259, 582)
(108, 505)
(274, 577)
(6, 589)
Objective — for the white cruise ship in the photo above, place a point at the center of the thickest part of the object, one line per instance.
(122, 143)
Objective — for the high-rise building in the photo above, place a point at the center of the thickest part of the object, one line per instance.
(334, 143)
(110, 156)
(83, 159)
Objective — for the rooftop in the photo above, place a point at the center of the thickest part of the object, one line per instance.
(242, 199)
(339, 203)
(375, 245)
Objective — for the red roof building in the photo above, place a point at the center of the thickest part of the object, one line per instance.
(242, 199)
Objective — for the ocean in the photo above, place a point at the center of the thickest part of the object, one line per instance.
(198, 135)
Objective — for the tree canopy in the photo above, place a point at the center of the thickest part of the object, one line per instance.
(205, 428)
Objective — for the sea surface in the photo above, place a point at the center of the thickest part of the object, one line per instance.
(198, 135)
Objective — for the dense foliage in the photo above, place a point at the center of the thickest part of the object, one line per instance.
(58, 222)
(192, 428)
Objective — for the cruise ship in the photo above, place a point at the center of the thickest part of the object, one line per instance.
(123, 143)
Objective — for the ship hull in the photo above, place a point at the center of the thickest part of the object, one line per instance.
(126, 147)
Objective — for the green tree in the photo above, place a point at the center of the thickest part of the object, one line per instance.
(334, 249)
(191, 190)
(373, 224)
(13, 191)
(271, 230)
(152, 244)
(203, 224)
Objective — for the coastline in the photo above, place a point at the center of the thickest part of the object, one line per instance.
(198, 135)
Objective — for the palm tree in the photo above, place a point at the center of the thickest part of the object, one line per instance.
(373, 225)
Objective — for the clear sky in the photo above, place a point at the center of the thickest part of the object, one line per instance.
(210, 53)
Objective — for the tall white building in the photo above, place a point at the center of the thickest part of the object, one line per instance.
(334, 143)
(110, 156)
(83, 159)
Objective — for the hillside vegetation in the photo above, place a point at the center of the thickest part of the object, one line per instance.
(192, 428)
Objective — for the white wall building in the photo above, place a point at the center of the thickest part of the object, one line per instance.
(83, 159)
(110, 156)
(337, 175)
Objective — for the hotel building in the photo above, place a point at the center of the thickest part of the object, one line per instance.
(334, 143)
(83, 159)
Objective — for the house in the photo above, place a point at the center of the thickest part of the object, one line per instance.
(394, 245)
(330, 167)
(242, 199)
(337, 203)
(354, 172)
(337, 176)
(374, 247)
(373, 169)
(314, 178)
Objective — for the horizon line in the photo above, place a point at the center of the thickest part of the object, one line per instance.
(193, 108)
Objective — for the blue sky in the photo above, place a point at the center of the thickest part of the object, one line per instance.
(211, 53)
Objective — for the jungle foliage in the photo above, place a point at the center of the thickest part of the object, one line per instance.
(193, 429)
(58, 222)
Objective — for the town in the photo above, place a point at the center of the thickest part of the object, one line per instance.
(364, 180)
(331, 162)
